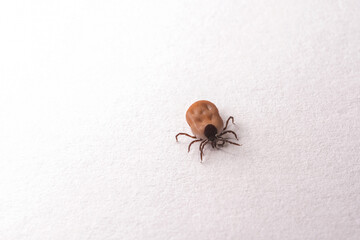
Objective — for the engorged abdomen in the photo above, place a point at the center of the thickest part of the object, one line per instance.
(202, 113)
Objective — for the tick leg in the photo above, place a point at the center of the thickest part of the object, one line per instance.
(198, 140)
(232, 143)
(202, 144)
(227, 122)
(183, 134)
(222, 142)
(217, 145)
(202, 149)
(228, 131)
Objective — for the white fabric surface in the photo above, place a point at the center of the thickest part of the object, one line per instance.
(93, 92)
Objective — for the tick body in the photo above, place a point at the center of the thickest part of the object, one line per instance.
(207, 126)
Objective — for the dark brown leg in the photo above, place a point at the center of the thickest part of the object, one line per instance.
(198, 140)
(227, 122)
(216, 146)
(202, 144)
(232, 143)
(228, 131)
(202, 149)
(222, 142)
(176, 137)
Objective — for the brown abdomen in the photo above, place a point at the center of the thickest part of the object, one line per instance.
(202, 113)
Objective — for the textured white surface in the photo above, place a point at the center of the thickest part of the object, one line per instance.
(93, 92)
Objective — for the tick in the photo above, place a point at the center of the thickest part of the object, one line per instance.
(207, 126)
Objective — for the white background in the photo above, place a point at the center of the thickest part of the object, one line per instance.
(92, 94)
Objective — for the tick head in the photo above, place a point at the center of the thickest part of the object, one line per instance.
(210, 132)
